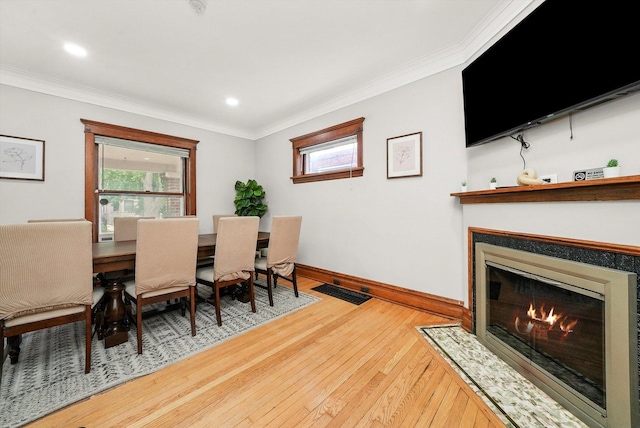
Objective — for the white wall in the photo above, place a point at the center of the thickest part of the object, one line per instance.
(221, 159)
(403, 231)
(611, 130)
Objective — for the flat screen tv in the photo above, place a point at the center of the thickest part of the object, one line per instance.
(566, 55)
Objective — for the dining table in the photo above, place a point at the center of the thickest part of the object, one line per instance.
(112, 260)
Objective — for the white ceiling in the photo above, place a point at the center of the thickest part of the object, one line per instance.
(286, 61)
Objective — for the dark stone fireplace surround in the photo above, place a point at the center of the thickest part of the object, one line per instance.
(593, 256)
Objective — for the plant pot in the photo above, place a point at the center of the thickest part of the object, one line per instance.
(493, 185)
(463, 188)
(612, 171)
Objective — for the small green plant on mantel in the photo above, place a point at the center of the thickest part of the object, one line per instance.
(248, 199)
(493, 180)
(612, 163)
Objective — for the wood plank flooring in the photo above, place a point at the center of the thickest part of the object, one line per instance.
(332, 364)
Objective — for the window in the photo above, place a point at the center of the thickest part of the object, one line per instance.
(329, 154)
(136, 173)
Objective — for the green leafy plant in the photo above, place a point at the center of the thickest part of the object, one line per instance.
(248, 199)
(493, 180)
(464, 182)
(612, 163)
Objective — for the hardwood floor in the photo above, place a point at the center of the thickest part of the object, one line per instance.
(332, 364)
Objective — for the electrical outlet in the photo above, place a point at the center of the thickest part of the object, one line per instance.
(549, 178)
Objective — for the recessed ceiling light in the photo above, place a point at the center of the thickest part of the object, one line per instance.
(75, 50)
(232, 101)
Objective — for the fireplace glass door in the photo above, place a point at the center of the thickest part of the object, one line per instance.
(559, 328)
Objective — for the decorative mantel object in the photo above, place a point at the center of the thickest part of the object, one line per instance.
(404, 156)
(463, 186)
(529, 177)
(21, 158)
(493, 183)
(612, 169)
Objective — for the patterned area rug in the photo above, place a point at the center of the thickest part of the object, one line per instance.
(517, 401)
(50, 372)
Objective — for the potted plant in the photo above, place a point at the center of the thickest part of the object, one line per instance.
(248, 199)
(248, 202)
(493, 183)
(612, 169)
(463, 186)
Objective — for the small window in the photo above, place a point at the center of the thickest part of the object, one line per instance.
(329, 154)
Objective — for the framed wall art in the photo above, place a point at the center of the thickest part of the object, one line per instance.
(21, 158)
(404, 156)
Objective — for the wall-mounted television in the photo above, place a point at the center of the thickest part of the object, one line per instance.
(566, 55)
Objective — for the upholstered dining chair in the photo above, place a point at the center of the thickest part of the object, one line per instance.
(166, 252)
(234, 258)
(53, 220)
(125, 228)
(282, 253)
(99, 296)
(45, 279)
(216, 220)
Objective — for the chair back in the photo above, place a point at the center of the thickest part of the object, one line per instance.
(44, 266)
(125, 228)
(283, 244)
(166, 253)
(235, 247)
(50, 220)
(216, 220)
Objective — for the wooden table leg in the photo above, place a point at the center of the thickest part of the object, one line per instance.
(115, 328)
(13, 343)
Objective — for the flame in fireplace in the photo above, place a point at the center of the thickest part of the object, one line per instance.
(540, 322)
(550, 319)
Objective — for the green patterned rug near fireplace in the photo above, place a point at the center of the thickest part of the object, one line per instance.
(50, 373)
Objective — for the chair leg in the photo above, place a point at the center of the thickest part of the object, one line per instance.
(1, 348)
(294, 281)
(139, 322)
(88, 337)
(269, 289)
(193, 310)
(252, 294)
(217, 302)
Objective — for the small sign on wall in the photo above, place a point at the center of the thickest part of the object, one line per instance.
(588, 174)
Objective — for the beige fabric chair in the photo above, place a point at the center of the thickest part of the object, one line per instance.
(45, 279)
(282, 253)
(166, 252)
(53, 220)
(125, 228)
(216, 219)
(234, 258)
(99, 296)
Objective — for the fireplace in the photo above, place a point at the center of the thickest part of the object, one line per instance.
(569, 327)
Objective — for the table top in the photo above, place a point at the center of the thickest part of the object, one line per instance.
(117, 255)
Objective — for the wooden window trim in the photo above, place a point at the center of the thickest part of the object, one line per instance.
(92, 128)
(353, 127)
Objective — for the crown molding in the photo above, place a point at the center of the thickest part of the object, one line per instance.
(62, 89)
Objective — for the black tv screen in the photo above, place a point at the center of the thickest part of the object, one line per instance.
(564, 56)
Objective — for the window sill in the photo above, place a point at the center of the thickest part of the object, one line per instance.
(603, 189)
(333, 175)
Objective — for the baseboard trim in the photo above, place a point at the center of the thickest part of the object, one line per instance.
(442, 306)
